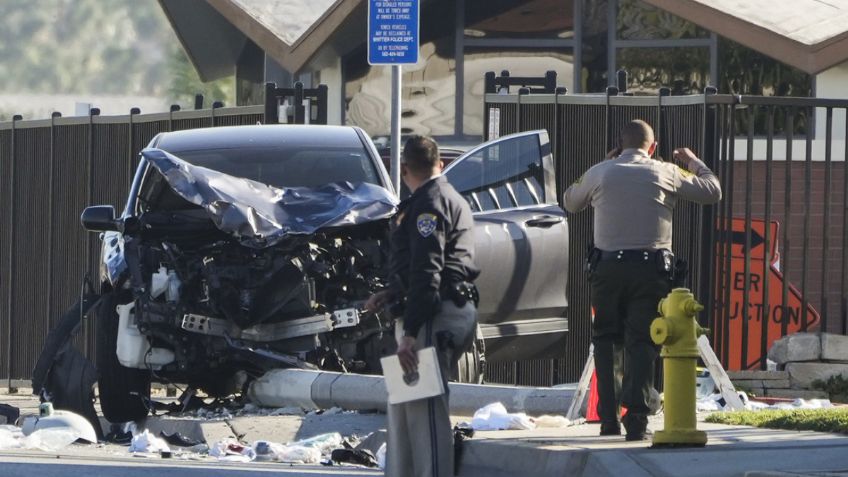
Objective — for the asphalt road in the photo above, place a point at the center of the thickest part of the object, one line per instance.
(26, 464)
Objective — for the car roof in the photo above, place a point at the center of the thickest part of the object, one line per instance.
(259, 136)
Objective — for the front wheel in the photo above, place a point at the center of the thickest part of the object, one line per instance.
(471, 368)
(124, 392)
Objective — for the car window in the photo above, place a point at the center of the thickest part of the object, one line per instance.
(505, 174)
(302, 167)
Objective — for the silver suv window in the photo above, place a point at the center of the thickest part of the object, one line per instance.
(503, 175)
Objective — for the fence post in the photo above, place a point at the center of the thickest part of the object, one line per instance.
(621, 81)
(50, 180)
(521, 92)
(611, 91)
(215, 105)
(272, 104)
(10, 308)
(89, 200)
(550, 81)
(322, 104)
(299, 109)
(707, 288)
(198, 101)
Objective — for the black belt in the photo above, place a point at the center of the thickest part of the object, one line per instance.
(460, 293)
(630, 255)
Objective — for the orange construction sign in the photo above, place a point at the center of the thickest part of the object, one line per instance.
(765, 297)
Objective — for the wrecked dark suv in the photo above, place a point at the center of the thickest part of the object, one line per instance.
(243, 249)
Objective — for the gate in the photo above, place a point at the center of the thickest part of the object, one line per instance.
(775, 158)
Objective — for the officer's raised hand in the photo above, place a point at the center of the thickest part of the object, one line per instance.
(378, 301)
(685, 157)
(406, 354)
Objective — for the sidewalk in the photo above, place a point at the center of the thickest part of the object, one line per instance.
(580, 451)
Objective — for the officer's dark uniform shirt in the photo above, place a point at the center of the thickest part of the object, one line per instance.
(432, 240)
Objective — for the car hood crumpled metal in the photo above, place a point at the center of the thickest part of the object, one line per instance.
(260, 215)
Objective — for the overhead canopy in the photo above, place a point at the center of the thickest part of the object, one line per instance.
(214, 32)
(811, 35)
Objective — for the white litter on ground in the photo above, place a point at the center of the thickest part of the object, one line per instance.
(551, 421)
(714, 403)
(49, 440)
(146, 442)
(292, 454)
(494, 417)
(229, 450)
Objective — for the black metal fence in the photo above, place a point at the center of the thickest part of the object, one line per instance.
(775, 162)
(744, 272)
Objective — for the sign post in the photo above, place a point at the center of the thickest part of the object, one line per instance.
(393, 40)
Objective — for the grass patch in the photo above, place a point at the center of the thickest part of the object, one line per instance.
(821, 420)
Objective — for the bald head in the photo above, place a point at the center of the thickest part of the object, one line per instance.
(637, 134)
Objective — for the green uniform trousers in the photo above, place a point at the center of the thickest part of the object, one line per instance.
(625, 295)
(420, 436)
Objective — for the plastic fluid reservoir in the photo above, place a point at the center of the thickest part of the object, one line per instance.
(133, 349)
(159, 282)
(174, 285)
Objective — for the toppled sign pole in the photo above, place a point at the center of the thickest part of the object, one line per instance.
(393, 41)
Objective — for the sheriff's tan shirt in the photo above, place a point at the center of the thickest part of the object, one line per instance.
(634, 195)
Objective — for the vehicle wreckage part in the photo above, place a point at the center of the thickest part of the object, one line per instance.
(259, 215)
(124, 392)
(346, 318)
(290, 360)
(60, 419)
(165, 281)
(311, 325)
(325, 389)
(133, 348)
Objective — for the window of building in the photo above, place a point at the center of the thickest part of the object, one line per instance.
(684, 70)
(519, 19)
(637, 20)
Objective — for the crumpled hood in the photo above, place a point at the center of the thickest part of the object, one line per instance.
(260, 215)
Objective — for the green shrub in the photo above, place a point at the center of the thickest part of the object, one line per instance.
(821, 420)
(836, 387)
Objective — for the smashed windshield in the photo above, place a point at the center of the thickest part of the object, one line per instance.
(289, 167)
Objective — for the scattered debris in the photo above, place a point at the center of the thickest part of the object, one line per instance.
(551, 421)
(179, 440)
(381, 456)
(494, 417)
(293, 454)
(146, 442)
(230, 450)
(11, 413)
(362, 457)
(49, 439)
(715, 402)
(50, 418)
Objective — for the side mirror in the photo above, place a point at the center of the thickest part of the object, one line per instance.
(99, 218)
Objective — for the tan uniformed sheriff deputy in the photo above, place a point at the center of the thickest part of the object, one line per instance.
(432, 270)
(633, 196)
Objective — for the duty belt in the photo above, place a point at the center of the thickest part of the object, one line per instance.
(461, 293)
(630, 255)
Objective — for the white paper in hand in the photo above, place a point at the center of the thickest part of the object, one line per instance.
(426, 383)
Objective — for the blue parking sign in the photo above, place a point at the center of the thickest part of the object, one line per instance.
(393, 32)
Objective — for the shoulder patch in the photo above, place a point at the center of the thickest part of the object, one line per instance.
(426, 224)
(684, 172)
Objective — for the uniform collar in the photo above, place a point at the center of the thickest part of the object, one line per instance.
(634, 152)
(431, 182)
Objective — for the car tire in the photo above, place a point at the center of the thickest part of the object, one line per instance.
(124, 392)
(471, 368)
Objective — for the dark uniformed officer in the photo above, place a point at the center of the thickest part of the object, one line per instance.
(432, 267)
(633, 197)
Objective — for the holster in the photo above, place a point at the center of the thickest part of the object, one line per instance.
(592, 259)
(461, 293)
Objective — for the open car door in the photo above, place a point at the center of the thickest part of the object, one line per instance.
(521, 237)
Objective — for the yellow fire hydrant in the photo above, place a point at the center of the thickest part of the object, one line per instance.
(678, 331)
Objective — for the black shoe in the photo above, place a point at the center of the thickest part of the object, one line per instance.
(610, 429)
(636, 426)
(644, 435)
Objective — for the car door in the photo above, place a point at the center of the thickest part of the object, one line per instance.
(521, 237)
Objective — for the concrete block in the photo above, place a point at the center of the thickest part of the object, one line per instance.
(795, 348)
(748, 383)
(764, 375)
(802, 375)
(834, 347)
(777, 384)
(796, 394)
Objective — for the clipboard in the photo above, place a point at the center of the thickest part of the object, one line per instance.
(425, 383)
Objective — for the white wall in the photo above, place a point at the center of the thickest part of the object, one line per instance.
(832, 84)
(331, 75)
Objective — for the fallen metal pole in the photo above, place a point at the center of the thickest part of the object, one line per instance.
(325, 389)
